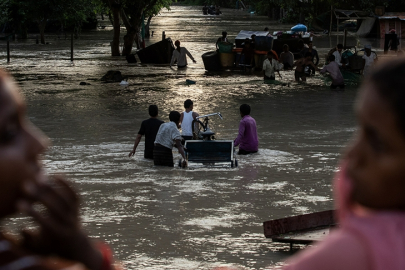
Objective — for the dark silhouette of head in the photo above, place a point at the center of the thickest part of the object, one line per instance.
(174, 116)
(188, 103)
(244, 109)
(153, 110)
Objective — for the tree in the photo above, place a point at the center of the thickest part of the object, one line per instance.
(23, 12)
(154, 11)
(131, 12)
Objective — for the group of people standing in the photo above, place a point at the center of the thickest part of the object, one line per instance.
(160, 137)
(306, 65)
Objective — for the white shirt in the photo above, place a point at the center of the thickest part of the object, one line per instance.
(181, 57)
(338, 58)
(269, 68)
(186, 124)
(167, 134)
(369, 61)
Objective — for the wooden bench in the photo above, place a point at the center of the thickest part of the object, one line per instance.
(301, 229)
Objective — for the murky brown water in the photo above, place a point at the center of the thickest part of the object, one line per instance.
(162, 218)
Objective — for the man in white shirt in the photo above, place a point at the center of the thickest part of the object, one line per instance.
(369, 59)
(338, 55)
(180, 56)
(269, 67)
(167, 135)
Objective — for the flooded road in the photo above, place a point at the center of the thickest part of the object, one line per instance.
(202, 216)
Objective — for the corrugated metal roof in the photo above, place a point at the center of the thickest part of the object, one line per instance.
(393, 16)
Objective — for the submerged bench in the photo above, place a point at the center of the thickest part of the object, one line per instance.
(200, 151)
(301, 229)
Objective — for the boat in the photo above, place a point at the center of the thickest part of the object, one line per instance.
(157, 53)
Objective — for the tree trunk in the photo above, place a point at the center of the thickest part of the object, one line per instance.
(147, 32)
(41, 26)
(115, 43)
(133, 30)
(129, 39)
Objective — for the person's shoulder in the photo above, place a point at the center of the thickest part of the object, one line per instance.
(340, 250)
(157, 120)
(146, 121)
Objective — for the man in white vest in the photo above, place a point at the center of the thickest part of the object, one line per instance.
(186, 120)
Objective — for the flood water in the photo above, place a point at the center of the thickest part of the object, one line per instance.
(202, 216)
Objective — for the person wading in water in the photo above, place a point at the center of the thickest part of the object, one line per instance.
(180, 56)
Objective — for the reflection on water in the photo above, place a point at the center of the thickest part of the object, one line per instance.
(176, 218)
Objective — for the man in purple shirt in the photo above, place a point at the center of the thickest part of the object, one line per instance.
(247, 137)
(334, 71)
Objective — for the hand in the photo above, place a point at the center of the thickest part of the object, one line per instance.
(131, 153)
(59, 231)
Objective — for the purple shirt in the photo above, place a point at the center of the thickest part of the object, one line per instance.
(334, 71)
(247, 137)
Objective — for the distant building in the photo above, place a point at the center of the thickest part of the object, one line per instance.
(392, 20)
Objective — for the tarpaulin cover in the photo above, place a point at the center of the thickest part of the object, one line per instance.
(299, 28)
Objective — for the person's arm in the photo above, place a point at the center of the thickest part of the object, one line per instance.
(315, 67)
(275, 66)
(181, 151)
(137, 140)
(174, 58)
(241, 133)
(317, 57)
(195, 115)
(189, 55)
(324, 69)
(181, 118)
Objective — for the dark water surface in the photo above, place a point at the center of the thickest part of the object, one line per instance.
(171, 218)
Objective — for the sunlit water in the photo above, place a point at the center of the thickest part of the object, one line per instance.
(202, 216)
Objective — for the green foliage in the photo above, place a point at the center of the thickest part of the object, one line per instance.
(155, 9)
(68, 12)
